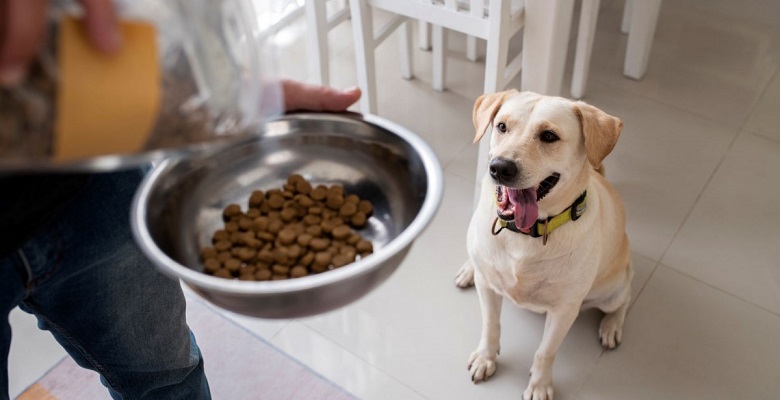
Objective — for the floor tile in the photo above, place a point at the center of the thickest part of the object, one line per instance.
(731, 238)
(661, 163)
(33, 352)
(265, 328)
(685, 340)
(765, 119)
(340, 366)
(714, 62)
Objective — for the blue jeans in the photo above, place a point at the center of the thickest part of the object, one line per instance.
(89, 285)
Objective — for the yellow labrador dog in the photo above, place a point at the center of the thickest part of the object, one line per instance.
(548, 232)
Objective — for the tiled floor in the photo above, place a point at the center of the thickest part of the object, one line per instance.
(697, 166)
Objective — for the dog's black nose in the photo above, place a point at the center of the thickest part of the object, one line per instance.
(503, 170)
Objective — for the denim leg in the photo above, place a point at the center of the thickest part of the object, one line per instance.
(106, 304)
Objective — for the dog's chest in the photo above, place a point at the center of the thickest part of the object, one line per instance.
(525, 274)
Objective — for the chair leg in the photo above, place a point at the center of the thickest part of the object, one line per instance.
(317, 21)
(589, 15)
(625, 23)
(472, 52)
(424, 35)
(644, 16)
(363, 34)
(405, 42)
(439, 51)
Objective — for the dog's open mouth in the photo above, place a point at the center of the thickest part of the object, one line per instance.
(522, 205)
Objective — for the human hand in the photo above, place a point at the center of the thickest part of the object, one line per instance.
(302, 96)
(23, 29)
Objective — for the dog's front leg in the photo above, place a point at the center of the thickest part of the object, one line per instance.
(557, 324)
(482, 363)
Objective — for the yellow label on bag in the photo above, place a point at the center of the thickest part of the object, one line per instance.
(106, 103)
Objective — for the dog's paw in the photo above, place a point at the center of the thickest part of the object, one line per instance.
(481, 366)
(539, 389)
(465, 276)
(611, 331)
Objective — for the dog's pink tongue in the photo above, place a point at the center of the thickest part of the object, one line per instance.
(526, 208)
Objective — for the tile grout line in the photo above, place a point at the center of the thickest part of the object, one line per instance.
(361, 359)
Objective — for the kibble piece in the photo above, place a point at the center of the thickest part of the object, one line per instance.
(246, 276)
(252, 213)
(341, 232)
(295, 178)
(303, 187)
(279, 269)
(248, 270)
(265, 256)
(319, 244)
(319, 193)
(364, 247)
(288, 187)
(220, 235)
(365, 207)
(263, 275)
(231, 210)
(244, 223)
(223, 273)
(232, 265)
(298, 271)
(353, 238)
(359, 220)
(223, 245)
(294, 252)
(281, 256)
(288, 194)
(348, 209)
(208, 252)
(327, 226)
(318, 268)
(303, 239)
(264, 208)
(247, 254)
(315, 210)
(353, 198)
(334, 201)
(265, 236)
(349, 252)
(275, 225)
(224, 256)
(312, 219)
(322, 258)
(231, 227)
(314, 230)
(340, 260)
(336, 190)
(211, 265)
(257, 198)
(307, 259)
(288, 214)
(287, 236)
(276, 201)
(304, 200)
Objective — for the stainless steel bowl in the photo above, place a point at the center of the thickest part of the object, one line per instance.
(179, 206)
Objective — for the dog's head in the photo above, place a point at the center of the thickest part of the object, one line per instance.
(541, 148)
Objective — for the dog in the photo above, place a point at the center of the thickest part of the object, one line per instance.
(548, 232)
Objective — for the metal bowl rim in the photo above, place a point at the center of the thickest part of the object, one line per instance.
(430, 205)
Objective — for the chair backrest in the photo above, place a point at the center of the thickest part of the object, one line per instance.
(468, 17)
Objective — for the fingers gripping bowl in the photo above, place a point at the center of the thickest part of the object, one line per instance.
(180, 204)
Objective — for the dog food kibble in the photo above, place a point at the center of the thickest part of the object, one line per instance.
(290, 232)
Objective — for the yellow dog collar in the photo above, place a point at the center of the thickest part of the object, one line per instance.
(542, 228)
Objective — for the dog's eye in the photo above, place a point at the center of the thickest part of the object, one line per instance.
(501, 127)
(548, 137)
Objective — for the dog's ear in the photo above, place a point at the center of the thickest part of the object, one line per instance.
(485, 110)
(600, 132)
